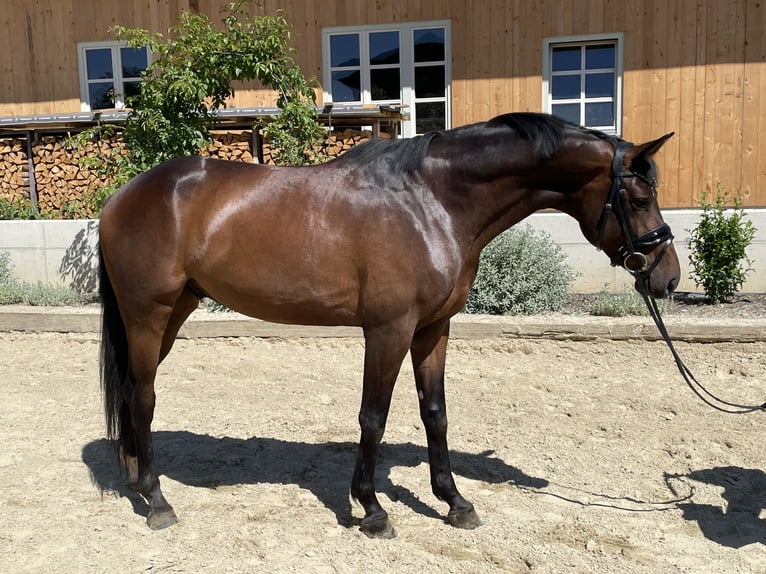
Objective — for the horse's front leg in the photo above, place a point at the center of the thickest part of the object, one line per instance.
(429, 351)
(385, 349)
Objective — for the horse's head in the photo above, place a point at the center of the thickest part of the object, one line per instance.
(629, 227)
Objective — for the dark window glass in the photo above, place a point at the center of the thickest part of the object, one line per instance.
(384, 48)
(599, 85)
(567, 59)
(599, 114)
(565, 87)
(132, 89)
(429, 45)
(99, 62)
(134, 61)
(601, 56)
(429, 116)
(346, 86)
(384, 84)
(344, 50)
(429, 82)
(101, 95)
(570, 112)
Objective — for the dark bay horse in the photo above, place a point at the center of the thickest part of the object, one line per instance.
(386, 237)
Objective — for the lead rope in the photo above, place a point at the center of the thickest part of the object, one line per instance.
(698, 388)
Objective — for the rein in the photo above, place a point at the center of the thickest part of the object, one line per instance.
(636, 263)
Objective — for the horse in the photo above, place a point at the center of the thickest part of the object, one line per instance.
(386, 237)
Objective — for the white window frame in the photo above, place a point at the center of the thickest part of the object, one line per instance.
(406, 66)
(617, 39)
(117, 79)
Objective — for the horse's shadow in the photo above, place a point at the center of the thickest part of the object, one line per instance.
(738, 523)
(324, 469)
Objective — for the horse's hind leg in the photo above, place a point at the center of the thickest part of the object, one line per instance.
(429, 351)
(184, 305)
(145, 332)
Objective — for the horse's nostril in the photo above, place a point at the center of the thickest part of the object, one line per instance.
(672, 285)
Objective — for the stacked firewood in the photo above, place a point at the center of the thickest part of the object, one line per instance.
(336, 144)
(14, 169)
(232, 146)
(65, 172)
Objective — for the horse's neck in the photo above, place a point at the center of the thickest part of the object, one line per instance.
(499, 185)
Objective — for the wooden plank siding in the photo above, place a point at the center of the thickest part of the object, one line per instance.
(696, 67)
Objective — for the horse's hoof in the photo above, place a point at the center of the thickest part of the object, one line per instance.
(466, 519)
(378, 528)
(158, 520)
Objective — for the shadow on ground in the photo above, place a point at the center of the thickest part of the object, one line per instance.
(324, 469)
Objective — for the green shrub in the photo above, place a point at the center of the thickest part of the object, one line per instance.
(627, 302)
(13, 291)
(521, 272)
(718, 243)
(18, 208)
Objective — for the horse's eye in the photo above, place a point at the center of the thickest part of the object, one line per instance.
(641, 202)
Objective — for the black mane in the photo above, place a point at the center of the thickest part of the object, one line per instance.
(544, 132)
(399, 156)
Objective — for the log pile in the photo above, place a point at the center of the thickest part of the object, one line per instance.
(336, 144)
(231, 146)
(14, 169)
(65, 174)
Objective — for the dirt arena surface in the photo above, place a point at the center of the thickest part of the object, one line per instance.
(580, 457)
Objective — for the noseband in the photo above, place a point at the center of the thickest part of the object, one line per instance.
(631, 253)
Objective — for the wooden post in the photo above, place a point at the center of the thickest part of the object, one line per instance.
(31, 163)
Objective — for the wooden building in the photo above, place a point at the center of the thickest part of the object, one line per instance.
(641, 68)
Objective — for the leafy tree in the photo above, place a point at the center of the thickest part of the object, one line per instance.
(191, 77)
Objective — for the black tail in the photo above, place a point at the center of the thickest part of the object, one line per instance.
(115, 377)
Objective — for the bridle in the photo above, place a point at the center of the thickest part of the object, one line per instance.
(631, 254)
(632, 258)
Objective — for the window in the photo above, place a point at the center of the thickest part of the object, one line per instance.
(109, 73)
(582, 80)
(405, 64)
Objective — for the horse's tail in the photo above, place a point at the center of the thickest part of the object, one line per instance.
(115, 377)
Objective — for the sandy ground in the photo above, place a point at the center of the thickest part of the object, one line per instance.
(579, 456)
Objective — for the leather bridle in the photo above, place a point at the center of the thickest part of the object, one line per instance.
(631, 255)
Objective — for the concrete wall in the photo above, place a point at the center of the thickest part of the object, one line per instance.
(62, 252)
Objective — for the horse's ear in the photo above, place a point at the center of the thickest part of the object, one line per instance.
(646, 150)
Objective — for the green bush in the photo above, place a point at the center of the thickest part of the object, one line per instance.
(18, 208)
(13, 291)
(718, 243)
(622, 304)
(521, 272)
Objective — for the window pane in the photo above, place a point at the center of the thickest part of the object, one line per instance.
(101, 95)
(131, 89)
(384, 48)
(134, 61)
(570, 112)
(346, 86)
(565, 87)
(599, 56)
(429, 45)
(429, 82)
(99, 63)
(599, 86)
(384, 84)
(429, 116)
(344, 50)
(599, 114)
(566, 59)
